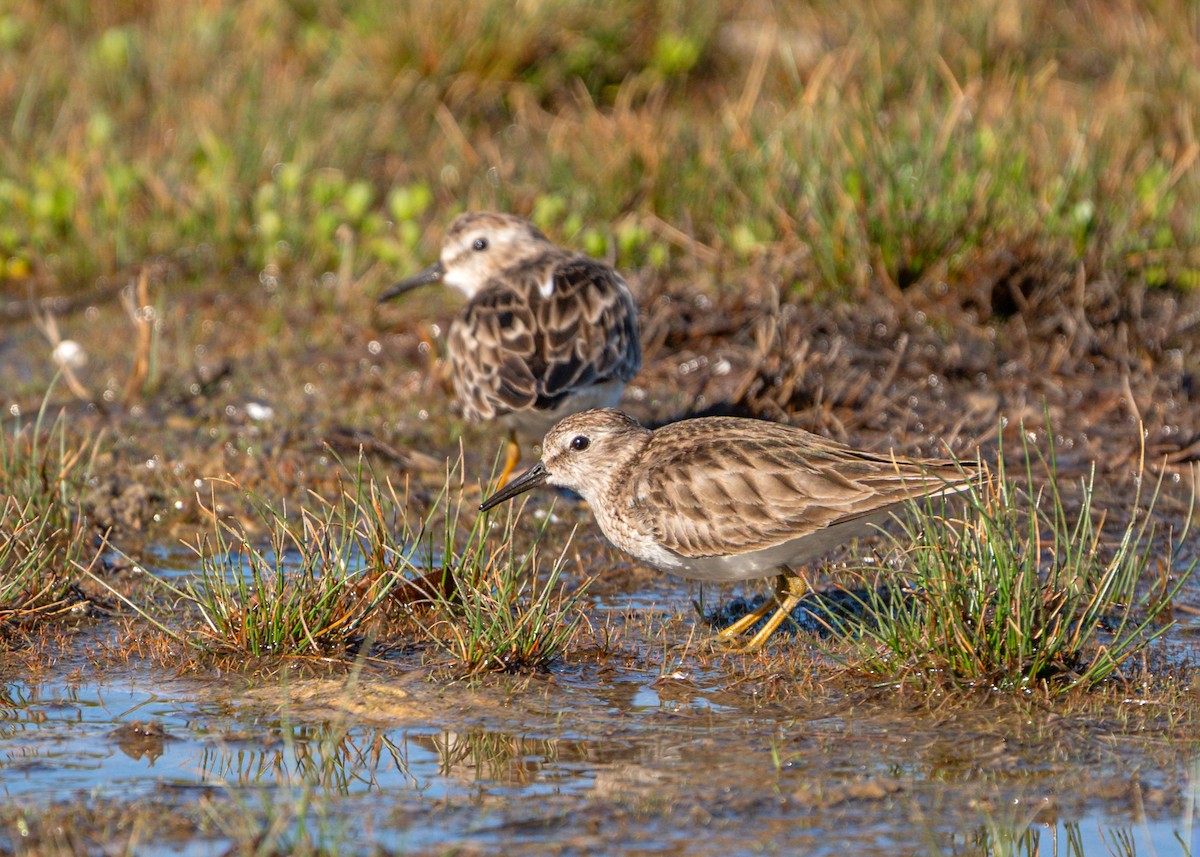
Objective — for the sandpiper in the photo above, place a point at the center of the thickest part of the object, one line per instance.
(726, 499)
(545, 332)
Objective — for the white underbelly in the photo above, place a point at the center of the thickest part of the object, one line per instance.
(759, 563)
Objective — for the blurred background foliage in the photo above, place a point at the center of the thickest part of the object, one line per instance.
(847, 145)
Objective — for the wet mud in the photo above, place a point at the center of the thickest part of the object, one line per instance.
(642, 739)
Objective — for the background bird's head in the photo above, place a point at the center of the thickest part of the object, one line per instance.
(478, 246)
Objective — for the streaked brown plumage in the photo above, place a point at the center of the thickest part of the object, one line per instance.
(544, 333)
(722, 499)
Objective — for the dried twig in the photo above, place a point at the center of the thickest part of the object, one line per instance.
(141, 314)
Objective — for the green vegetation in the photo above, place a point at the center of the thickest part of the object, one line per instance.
(33, 559)
(1029, 172)
(320, 582)
(44, 468)
(875, 143)
(310, 590)
(1019, 594)
(43, 537)
(494, 613)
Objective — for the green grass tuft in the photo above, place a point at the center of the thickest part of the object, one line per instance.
(493, 609)
(1019, 593)
(311, 587)
(43, 468)
(43, 536)
(33, 559)
(318, 582)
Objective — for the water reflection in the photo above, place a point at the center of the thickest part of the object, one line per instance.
(139, 740)
(325, 756)
(642, 751)
(57, 738)
(439, 763)
(178, 563)
(1074, 839)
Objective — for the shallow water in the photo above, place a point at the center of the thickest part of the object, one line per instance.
(590, 759)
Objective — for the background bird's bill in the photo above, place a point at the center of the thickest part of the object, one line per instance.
(531, 478)
(432, 274)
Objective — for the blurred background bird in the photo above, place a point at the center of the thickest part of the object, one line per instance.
(545, 332)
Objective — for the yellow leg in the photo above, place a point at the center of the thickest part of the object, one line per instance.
(790, 587)
(746, 621)
(512, 457)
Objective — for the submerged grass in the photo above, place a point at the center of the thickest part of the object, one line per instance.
(1020, 594)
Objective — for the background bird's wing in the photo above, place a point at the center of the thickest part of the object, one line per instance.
(490, 345)
(588, 329)
(519, 345)
(717, 486)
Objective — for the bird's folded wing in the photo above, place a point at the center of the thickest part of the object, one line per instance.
(531, 342)
(715, 492)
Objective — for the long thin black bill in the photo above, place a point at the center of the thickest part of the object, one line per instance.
(531, 478)
(432, 274)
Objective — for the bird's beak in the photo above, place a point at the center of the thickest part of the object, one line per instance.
(531, 478)
(432, 274)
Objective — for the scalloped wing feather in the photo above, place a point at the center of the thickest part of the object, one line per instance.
(724, 486)
(514, 347)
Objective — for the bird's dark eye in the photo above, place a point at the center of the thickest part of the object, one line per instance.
(479, 244)
(580, 443)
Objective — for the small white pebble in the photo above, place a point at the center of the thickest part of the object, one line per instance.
(259, 412)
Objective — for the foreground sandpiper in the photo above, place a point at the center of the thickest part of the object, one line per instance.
(545, 332)
(725, 499)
